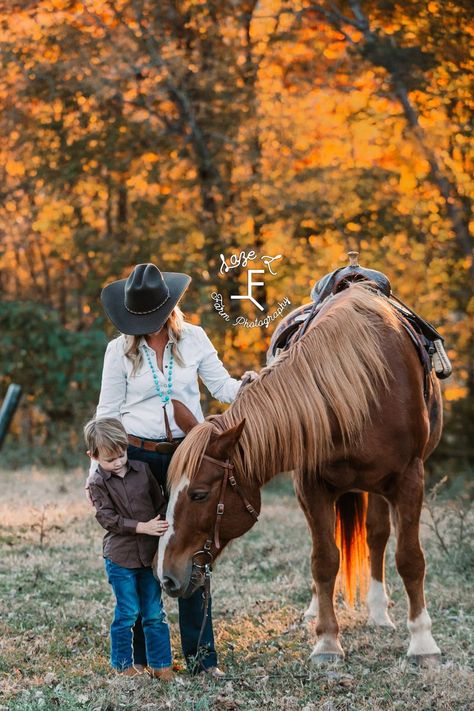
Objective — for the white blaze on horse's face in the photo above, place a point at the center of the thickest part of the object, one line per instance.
(175, 492)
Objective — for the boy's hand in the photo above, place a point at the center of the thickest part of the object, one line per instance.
(154, 527)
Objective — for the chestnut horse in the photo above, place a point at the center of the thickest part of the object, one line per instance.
(344, 409)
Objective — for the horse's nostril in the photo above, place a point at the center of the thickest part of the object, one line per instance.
(170, 585)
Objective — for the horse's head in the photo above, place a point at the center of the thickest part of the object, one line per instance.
(208, 507)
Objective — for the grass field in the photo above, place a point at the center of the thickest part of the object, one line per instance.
(56, 608)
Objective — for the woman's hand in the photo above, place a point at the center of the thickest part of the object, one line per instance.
(248, 376)
(153, 527)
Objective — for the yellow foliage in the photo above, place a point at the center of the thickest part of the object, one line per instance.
(353, 227)
(407, 180)
(318, 160)
(150, 157)
(14, 168)
(455, 393)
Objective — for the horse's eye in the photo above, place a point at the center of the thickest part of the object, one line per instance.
(198, 495)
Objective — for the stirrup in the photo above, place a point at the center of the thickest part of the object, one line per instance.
(441, 362)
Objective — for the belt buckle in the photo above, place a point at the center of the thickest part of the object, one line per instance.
(165, 447)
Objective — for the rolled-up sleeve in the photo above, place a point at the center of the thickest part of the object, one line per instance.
(213, 374)
(113, 389)
(106, 513)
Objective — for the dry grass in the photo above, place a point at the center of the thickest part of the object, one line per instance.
(56, 608)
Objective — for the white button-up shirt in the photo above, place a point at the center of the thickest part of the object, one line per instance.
(134, 399)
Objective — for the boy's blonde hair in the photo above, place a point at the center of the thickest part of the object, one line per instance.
(105, 437)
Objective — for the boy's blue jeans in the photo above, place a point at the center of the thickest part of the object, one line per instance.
(137, 593)
(191, 609)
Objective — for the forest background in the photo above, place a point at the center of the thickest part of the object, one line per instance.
(177, 131)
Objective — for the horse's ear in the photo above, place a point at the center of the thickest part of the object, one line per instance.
(183, 416)
(228, 439)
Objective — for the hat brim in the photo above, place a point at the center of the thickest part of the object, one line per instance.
(112, 298)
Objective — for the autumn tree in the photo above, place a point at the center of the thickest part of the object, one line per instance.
(170, 131)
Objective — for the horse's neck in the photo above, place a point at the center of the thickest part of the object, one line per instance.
(257, 479)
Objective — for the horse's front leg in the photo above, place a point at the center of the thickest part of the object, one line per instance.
(378, 532)
(311, 611)
(318, 505)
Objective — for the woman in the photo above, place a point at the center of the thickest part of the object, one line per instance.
(157, 359)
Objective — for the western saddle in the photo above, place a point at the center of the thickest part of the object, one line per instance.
(428, 342)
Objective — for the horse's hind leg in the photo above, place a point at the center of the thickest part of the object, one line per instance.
(318, 506)
(378, 532)
(411, 562)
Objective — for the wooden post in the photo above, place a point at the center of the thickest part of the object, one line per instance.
(9, 405)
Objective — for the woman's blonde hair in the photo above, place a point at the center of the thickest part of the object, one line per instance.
(174, 324)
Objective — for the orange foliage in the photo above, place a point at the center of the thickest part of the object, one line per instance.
(308, 150)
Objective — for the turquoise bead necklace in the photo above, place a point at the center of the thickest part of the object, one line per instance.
(164, 396)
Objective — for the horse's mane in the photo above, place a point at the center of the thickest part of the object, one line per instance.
(334, 372)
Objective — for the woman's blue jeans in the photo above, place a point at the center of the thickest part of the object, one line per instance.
(137, 592)
(190, 610)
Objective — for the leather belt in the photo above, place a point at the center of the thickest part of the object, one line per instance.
(163, 447)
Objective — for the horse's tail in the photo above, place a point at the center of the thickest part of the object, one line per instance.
(351, 539)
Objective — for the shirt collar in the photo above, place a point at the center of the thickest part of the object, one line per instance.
(107, 475)
(142, 343)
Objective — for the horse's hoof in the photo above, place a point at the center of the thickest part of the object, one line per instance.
(385, 623)
(426, 660)
(325, 658)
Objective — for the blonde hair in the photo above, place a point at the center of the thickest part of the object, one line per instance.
(105, 436)
(174, 325)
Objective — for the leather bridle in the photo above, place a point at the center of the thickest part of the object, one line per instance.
(206, 568)
(228, 478)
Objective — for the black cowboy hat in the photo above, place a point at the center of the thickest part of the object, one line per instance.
(142, 303)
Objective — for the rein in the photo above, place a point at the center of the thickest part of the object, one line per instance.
(206, 568)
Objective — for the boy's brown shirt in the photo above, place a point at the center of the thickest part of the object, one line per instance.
(121, 503)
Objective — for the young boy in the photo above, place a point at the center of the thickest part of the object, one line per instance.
(130, 506)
